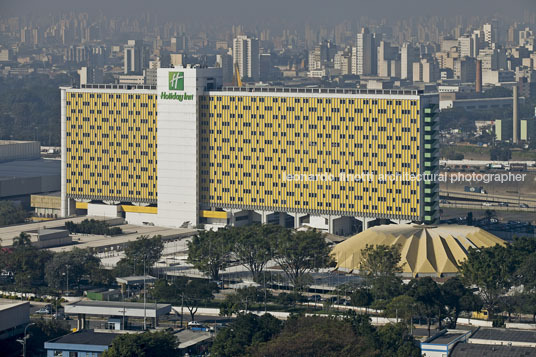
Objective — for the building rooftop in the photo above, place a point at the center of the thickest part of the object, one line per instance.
(447, 338)
(29, 168)
(9, 142)
(117, 86)
(502, 334)
(8, 305)
(114, 304)
(266, 89)
(52, 194)
(188, 338)
(322, 90)
(474, 350)
(85, 337)
(117, 308)
(135, 280)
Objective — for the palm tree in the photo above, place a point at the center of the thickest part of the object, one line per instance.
(22, 240)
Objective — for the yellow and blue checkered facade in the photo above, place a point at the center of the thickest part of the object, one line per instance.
(252, 145)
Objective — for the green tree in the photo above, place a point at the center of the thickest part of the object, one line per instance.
(395, 340)
(458, 298)
(253, 246)
(187, 291)
(526, 301)
(316, 336)
(379, 266)
(147, 344)
(142, 253)
(384, 288)
(26, 262)
(42, 331)
(92, 226)
(11, 213)
(242, 299)
(380, 260)
(428, 296)
(403, 306)
(492, 271)
(209, 252)
(521, 248)
(74, 265)
(361, 297)
(299, 252)
(246, 331)
(22, 241)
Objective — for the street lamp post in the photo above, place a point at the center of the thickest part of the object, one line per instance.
(24, 339)
(144, 298)
(67, 279)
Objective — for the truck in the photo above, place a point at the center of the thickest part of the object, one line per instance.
(474, 189)
(518, 167)
(496, 166)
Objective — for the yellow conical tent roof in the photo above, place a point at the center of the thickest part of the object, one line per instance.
(424, 249)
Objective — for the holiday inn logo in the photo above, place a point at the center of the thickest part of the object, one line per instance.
(176, 83)
(176, 80)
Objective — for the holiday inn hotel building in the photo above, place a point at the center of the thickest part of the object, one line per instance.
(190, 151)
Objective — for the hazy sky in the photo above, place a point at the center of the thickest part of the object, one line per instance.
(266, 10)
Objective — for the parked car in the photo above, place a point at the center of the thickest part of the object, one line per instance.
(59, 316)
(44, 311)
(315, 298)
(197, 326)
(523, 205)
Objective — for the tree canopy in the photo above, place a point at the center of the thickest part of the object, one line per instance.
(92, 226)
(316, 336)
(73, 265)
(244, 333)
(254, 246)
(142, 253)
(146, 344)
(492, 271)
(11, 213)
(209, 251)
(299, 252)
(184, 290)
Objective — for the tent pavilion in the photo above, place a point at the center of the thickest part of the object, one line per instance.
(426, 250)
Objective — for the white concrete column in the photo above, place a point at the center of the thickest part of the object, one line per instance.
(330, 223)
(282, 216)
(63, 199)
(233, 219)
(364, 222)
(296, 220)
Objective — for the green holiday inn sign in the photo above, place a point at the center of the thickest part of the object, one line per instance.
(176, 83)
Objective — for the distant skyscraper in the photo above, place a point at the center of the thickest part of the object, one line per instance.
(388, 60)
(466, 46)
(246, 57)
(426, 71)
(150, 73)
(225, 61)
(408, 55)
(490, 33)
(26, 35)
(134, 57)
(365, 53)
(90, 75)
